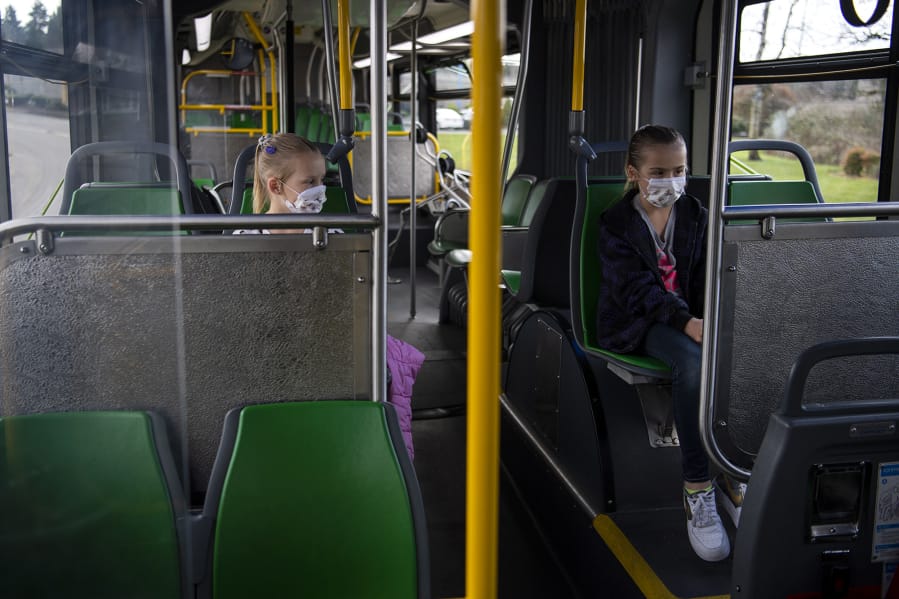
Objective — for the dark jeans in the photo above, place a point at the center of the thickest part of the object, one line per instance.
(684, 357)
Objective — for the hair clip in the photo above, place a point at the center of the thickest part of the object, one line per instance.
(265, 142)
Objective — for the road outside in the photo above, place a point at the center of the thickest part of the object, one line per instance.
(39, 148)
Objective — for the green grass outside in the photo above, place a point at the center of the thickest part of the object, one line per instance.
(836, 186)
(458, 143)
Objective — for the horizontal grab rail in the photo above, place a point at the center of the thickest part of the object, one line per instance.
(22, 226)
(809, 210)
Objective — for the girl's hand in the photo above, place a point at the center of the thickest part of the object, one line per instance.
(693, 330)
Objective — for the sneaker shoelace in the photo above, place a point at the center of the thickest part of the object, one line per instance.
(702, 506)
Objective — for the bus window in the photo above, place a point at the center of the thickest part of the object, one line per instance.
(37, 117)
(452, 85)
(785, 90)
(802, 28)
(840, 123)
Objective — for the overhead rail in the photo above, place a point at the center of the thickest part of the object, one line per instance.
(264, 108)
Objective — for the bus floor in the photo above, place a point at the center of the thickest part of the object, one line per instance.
(527, 568)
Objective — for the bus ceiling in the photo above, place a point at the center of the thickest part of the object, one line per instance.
(305, 12)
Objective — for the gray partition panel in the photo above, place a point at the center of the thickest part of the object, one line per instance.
(812, 283)
(228, 321)
(399, 169)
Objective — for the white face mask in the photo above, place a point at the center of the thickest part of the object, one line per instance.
(309, 201)
(662, 193)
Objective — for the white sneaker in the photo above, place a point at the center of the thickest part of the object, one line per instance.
(707, 534)
(730, 494)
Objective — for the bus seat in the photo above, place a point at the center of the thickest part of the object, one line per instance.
(363, 121)
(755, 193)
(515, 237)
(765, 334)
(90, 502)
(515, 198)
(314, 125)
(301, 120)
(600, 197)
(130, 301)
(338, 196)
(337, 202)
(540, 279)
(146, 196)
(831, 463)
(316, 498)
(126, 198)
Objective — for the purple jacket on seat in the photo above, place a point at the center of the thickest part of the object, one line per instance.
(632, 295)
(404, 362)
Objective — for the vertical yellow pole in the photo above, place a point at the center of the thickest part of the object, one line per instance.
(273, 107)
(482, 470)
(577, 70)
(343, 50)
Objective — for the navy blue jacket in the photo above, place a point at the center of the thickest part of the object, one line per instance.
(632, 295)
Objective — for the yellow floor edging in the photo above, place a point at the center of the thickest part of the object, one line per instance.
(633, 563)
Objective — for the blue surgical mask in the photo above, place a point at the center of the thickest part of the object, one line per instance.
(664, 192)
(309, 201)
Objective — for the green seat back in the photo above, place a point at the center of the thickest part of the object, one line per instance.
(538, 192)
(207, 183)
(363, 121)
(755, 193)
(314, 505)
(122, 199)
(326, 130)
(514, 198)
(336, 203)
(85, 508)
(315, 123)
(600, 197)
(301, 122)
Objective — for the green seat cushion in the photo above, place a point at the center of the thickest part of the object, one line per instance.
(85, 508)
(314, 505)
(600, 197)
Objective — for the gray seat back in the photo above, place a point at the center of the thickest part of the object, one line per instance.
(188, 327)
(811, 283)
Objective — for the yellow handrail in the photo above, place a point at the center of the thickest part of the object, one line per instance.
(343, 49)
(184, 106)
(257, 33)
(482, 462)
(577, 69)
(367, 199)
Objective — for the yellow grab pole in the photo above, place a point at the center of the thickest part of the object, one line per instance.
(482, 463)
(577, 69)
(257, 33)
(343, 50)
